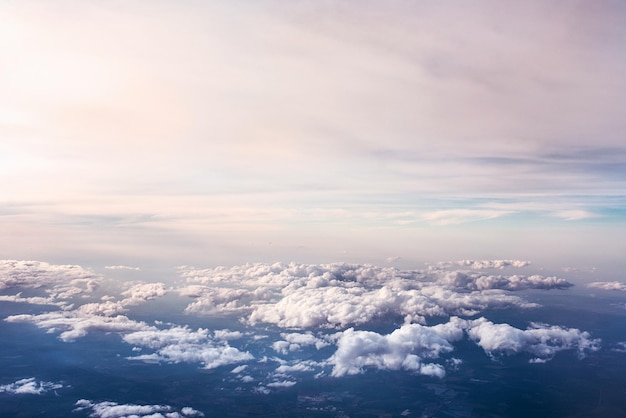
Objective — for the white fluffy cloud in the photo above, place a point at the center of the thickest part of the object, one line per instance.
(33, 274)
(29, 386)
(295, 341)
(302, 296)
(175, 344)
(482, 282)
(282, 384)
(339, 295)
(540, 340)
(181, 344)
(135, 295)
(144, 291)
(115, 410)
(411, 347)
(608, 286)
(60, 282)
(416, 348)
(76, 324)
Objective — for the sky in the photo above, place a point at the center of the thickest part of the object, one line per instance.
(207, 133)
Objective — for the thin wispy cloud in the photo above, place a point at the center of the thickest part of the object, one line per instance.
(353, 115)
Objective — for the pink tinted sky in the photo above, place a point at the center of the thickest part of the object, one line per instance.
(225, 132)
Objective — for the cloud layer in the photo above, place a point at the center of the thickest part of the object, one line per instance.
(322, 304)
(340, 295)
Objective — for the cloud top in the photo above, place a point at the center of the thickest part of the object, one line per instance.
(29, 386)
(108, 409)
(608, 286)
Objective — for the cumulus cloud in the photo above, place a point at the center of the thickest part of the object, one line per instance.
(114, 410)
(135, 295)
(223, 300)
(225, 334)
(295, 341)
(339, 295)
(297, 366)
(540, 340)
(60, 282)
(608, 286)
(29, 386)
(481, 282)
(181, 344)
(417, 348)
(175, 344)
(324, 296)
(281, 384)
(340, 306)
(76, 324)
(142, 292)
(410, 347)
(33, 274)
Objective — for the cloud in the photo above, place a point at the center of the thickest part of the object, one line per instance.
(29, 386)
(227, 335)
(181, 344)
(620, 347)
(175, 344)
(60, 282)
(540, 340)
(34, 274)
(513, 283)
(339, 295)
(459, 216)
(35, 300)
(369, 88)
(121, 268)
(410, 347)
(77, 324)
(135, 295)
(575, 215)
(239, 369)
(311, 299)
(109, 409)
(221, 300)
(608, 286)
(482, 264)
(142, 292)
(281, 384)
(417, 348)
(297, 366)
(295, 341)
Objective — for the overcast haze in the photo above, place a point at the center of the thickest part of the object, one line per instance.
(224, 132)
